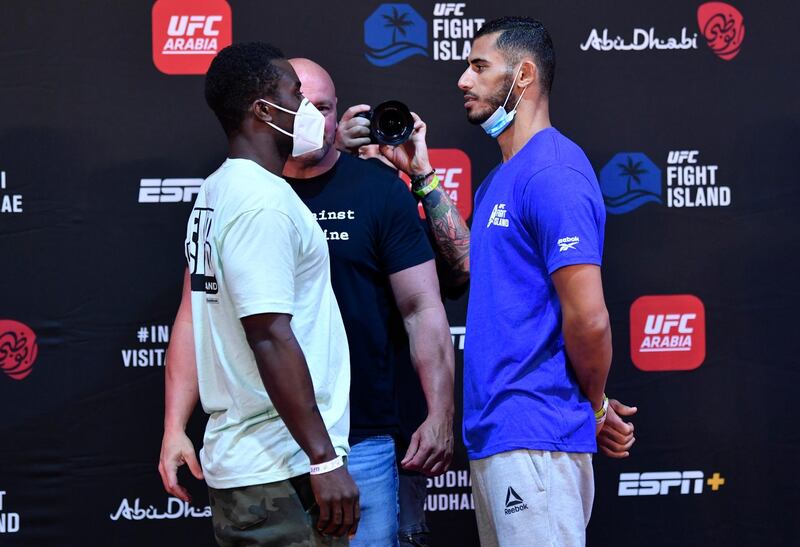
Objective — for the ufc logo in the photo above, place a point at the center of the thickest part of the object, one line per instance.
(663, 324)
(448, 9)
(681, 156)
(168, 190)
(659, 484)
(447, 176)
(187, 25)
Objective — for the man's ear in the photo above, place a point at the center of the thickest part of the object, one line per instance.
(261, 110)
(528, 74)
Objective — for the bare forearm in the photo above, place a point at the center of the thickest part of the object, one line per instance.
(432, 357)
(284, 371)
(588, 344)
(450, 234)
(181, 391)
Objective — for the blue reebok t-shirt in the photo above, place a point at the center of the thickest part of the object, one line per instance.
(538, 212)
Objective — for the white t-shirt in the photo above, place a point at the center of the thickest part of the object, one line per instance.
(253, 247)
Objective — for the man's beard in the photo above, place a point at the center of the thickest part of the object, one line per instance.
(494, 102)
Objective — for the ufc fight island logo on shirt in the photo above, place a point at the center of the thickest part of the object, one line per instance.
(187, 34)
(668, 332)
(498, 216)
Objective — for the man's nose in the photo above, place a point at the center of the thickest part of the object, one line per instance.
(464, 83)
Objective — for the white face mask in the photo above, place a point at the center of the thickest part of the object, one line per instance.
(309, 127)
(501, 119)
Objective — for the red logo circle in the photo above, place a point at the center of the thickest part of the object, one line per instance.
(18, 348)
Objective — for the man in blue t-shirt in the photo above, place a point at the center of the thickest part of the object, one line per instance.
(538, 341)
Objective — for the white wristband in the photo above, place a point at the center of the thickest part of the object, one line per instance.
(327, 467)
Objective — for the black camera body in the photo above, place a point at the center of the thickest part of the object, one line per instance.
(390, 123)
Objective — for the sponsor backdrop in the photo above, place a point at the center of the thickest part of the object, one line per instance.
(688, 111)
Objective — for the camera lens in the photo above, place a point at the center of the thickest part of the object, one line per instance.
(392, 123)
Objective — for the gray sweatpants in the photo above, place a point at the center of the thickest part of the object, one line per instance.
(533, 498)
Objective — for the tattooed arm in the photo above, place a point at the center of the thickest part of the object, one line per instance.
(450, 231)
(450, 234)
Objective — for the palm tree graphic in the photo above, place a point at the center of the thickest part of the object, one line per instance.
(631, 170)
(397, 21)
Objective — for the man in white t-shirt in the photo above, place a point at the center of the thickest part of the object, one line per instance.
(272, 356)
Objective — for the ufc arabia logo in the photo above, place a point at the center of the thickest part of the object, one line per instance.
(187, 34)
(668, 332)
(169, 190)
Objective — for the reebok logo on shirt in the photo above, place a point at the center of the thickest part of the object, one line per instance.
(568, 243)
(514, 503)
(498, 216)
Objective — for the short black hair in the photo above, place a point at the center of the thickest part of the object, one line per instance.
(521, 35)
(238, 75)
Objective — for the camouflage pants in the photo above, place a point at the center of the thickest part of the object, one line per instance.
(279, 514)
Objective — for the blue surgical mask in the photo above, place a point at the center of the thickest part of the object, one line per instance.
(501, 119)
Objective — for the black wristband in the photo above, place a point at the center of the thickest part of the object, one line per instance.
(419, 179)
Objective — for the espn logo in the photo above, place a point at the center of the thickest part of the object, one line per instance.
(668, 332)
(660, 483)
(455, 177)
(169, 190)
(187, 34)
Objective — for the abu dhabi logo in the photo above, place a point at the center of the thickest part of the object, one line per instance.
(722, 26)
(18, 349)
(395, 32)
(629, 181)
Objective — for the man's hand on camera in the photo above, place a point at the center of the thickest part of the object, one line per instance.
(353, 130)
(337, 498)
(411, 157)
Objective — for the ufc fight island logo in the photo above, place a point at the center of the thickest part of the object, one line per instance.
(187, 34)
(668, 332)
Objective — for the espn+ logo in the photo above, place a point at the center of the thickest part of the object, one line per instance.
(663, 482)
(668, 332)
(187, 34)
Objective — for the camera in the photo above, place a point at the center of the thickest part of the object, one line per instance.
(390, 123)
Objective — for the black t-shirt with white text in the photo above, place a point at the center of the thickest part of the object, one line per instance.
(373, 230)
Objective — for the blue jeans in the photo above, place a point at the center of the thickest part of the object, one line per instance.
(413, 528)
(372, 465)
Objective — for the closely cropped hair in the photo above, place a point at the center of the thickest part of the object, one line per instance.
(525, 35)
(238, 75)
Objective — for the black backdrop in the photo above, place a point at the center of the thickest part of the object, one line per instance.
(86, 115)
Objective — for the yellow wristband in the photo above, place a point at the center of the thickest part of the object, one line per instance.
(428, 188)
(600, 415)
